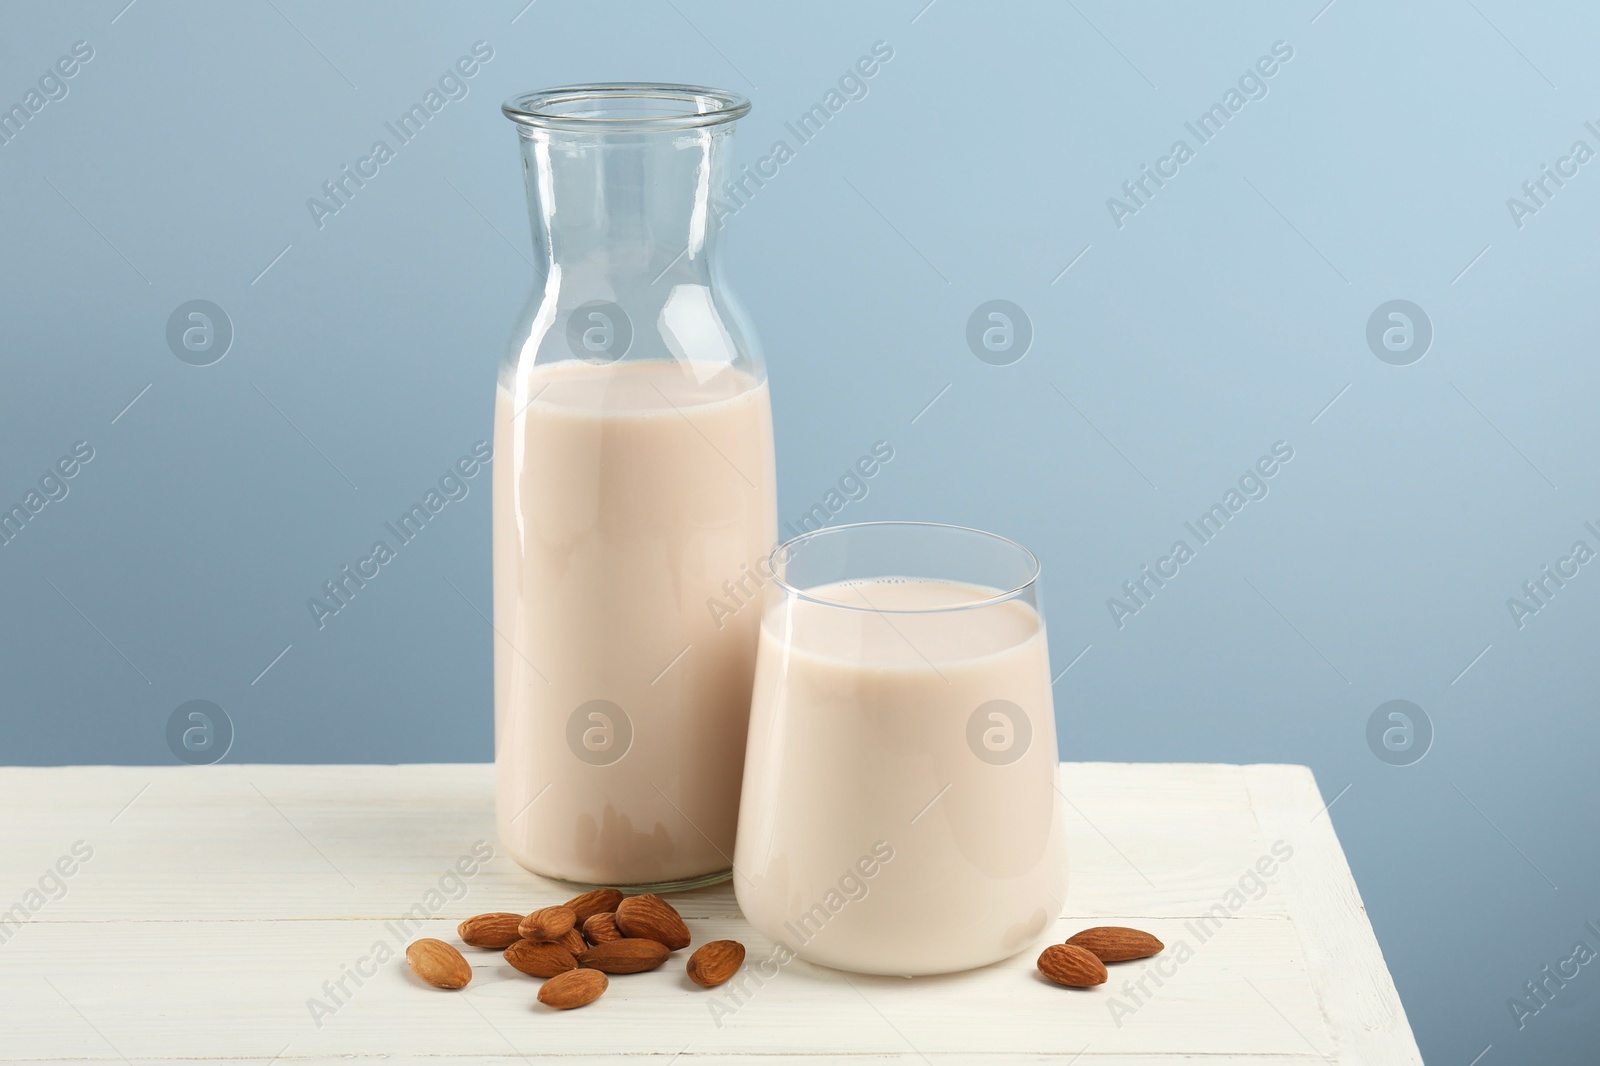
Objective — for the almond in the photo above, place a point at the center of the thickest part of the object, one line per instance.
(1116, 943)
(594, 902)
(1070, 965)
(438, 963)
(714, 963)
(574, 988)
(652, 918)
(573, 941)
(628, 955)
(538, 959)
(498, 930)
(601, 927)
(547, 923)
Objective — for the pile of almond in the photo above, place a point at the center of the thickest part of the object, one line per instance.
(574, 946)
(1081, 961)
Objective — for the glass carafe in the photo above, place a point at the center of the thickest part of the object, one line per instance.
(633, 497)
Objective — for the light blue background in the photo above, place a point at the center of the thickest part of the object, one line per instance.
(1223, 317)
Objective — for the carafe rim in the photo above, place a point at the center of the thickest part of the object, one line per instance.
(626, 106)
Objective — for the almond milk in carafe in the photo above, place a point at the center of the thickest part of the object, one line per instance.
(633, 479)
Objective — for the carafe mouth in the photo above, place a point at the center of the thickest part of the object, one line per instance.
(626, 107)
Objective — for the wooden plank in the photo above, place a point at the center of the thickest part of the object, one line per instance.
(217, 906)
(364, 841)
(1357, 993)
(233, 989)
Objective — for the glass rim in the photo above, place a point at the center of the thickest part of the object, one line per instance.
(549, 108)
(788, 546)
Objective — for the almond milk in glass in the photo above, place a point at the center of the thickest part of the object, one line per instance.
(633, 480)
(900, 811)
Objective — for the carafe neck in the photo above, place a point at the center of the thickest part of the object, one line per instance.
(622, 186)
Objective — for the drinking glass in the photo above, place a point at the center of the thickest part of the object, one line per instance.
(899, 812)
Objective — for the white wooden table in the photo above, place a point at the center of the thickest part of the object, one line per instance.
(219, 901)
